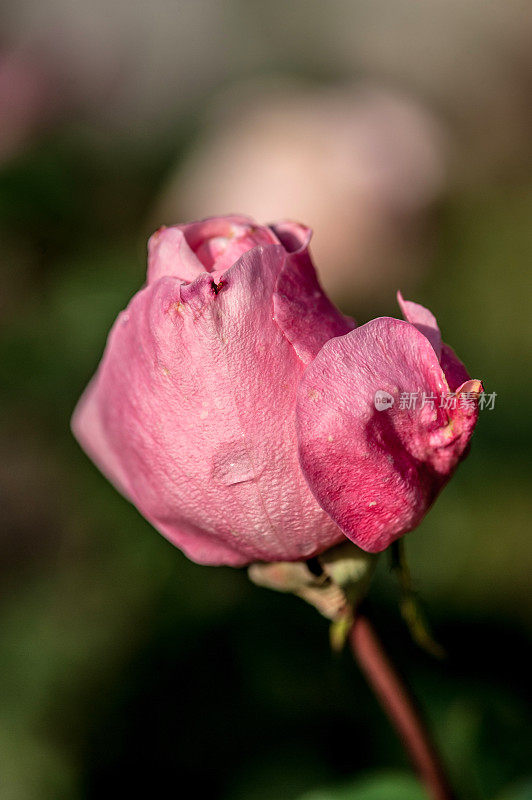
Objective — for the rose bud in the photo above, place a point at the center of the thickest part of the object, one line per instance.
(192, 411)
(235, 405)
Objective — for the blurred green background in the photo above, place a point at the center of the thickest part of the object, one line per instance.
(126, 669)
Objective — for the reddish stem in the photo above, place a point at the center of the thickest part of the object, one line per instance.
(400, 707)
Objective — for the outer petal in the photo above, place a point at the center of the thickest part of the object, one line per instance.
(377, 472)
(302, 309)
(455, 372)
(423, 319)
(192, 415)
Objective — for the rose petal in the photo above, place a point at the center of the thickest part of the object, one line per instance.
(423, 319)
(455, 372)
(219, 242)
(301, 308)
(170, 254)
(377, 472)
(213, 244)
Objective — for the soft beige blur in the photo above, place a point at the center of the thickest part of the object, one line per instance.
(361, 166)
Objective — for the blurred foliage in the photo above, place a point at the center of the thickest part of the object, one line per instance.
(127, 669)
(394, 787)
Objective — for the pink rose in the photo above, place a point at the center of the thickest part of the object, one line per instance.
(234, 404)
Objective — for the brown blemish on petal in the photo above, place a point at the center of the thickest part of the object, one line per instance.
(175, 307)
(158, 232)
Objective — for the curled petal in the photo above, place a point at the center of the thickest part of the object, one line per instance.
(376, 472)
(301, 308)
(294, 237)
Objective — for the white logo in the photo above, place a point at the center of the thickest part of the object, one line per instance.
(383, 400)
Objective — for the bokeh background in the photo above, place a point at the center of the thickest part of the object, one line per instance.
(401, 132)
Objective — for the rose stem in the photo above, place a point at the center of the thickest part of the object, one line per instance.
(400, 707)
